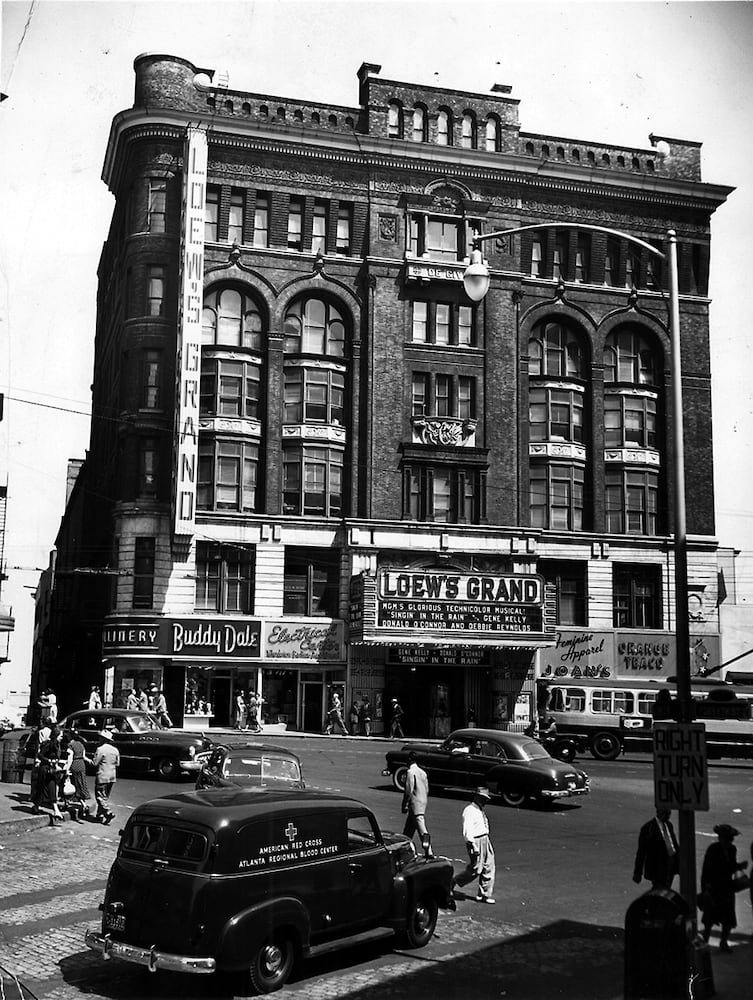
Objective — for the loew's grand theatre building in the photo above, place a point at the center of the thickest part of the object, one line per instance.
(316, 465)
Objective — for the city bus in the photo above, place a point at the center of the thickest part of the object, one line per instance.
(608, 717)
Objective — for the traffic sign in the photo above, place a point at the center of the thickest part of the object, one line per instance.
(680, 766)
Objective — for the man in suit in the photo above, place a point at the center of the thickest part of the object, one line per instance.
(657, 855)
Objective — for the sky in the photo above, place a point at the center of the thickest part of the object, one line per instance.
(610, 72)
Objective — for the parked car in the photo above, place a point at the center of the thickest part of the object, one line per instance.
(144, 743)
(513, 766)
(249, 881)
(248, 765)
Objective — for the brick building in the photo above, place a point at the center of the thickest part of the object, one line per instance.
(317, 466)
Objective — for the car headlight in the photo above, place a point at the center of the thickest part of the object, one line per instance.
(192, 752)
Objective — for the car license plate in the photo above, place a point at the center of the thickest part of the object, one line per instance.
(115, 921)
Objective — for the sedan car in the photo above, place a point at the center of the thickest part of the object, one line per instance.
(144, 743)
(248, 765)
(513, 766)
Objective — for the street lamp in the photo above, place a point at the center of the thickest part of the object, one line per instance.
(476, 281)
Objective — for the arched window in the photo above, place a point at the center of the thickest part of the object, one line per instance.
(468, 131)
(419, 123)
(492, 134)
(555, 350)
(630, 357)
(395, 120)
(231, 318)
(444, 128)
(314, 326)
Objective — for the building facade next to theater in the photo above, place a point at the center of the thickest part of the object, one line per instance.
(317, 466)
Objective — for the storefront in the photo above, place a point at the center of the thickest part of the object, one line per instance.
(203, 663)
(455, 649)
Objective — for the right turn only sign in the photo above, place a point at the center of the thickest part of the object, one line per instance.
(680, 771)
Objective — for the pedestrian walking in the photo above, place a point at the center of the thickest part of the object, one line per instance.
(132, 702)
(94, 701)
(143, 700)
(335, 721)
(717, 897)
(50, 771)
(657, 856)
(481, 863)
(37, 737)
(79, 804)
(160, 710)
(253, 713)
(396, 723)
(240, 711)
(364, 716)
(106, 761)
(415, 799)
(354, 717)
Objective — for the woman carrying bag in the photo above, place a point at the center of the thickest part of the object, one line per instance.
(717, 897)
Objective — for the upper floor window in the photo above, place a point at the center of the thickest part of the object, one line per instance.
(446, 494)
(612, 261)
(314, 326)
(468, 131)
(344, 225)
(629, 421)
(395, 120)
(157, 207)
(230, 388)
(636, 596)
(151, 380)
(295, 224)
(582, 259)
(537, 257)
(559, 257)
(631, 497)
(224, 577)
(555, 350)
(419, 124)
(143, 572)
(319, 228)
(313, 481)
(443, 323)
(492, 134)
(148, 467)
(444, 128)
(555, 414)
(629, 357)
(314, 395)
(228, 474)
(632, 268)
(556, 496)
(231, 318)
(212, 215)
(311, 582)
(440, 237)
(235, 220)
(155, 290)
(442, 395)
(261, 221)
(569, 581)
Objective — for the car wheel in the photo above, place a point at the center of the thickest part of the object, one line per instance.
(168, 769)
(272, 964)
(399, 777)
(514, 799)
(605, 746)
(564, 751)
(422, 919)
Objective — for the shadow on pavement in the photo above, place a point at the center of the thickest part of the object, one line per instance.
(565, 960)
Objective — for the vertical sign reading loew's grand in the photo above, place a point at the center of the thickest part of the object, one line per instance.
(188, 356)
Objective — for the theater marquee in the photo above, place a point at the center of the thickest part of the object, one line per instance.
(457, 608)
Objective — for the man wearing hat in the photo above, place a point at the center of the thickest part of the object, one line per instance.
(106, 760)
(657, 855)
(717, 897)
(396, 725)
(479, 846)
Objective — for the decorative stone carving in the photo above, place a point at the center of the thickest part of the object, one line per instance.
(445, 431)
(388, 228)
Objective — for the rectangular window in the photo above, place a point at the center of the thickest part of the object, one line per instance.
(212, 215)
(420, 321)
(224, 575)
(319, 228)
(295, 224)
(442, 323)
(314, 396)
(148, 467)
(537, 256)
(230, 389)
(312, 481)
(235, 221)
(443, 395)
(311, 582)
(344, 225)
(151, 380)
(465, 326)
(631, 502)
(420, 394)
(636, 596)
(143, 573)
(466, 400)
(582, 259)
(228, 473)
(611, 262)
(556, 496)
(442, 238)
(555, 414)
(559, 258)
(569, 581)
(446, 494)
(261, 221)
(157, 208)
(155, 290)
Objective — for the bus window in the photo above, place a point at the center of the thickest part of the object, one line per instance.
(646, 700)
(601, 701)
(575, 700)
(623, 702)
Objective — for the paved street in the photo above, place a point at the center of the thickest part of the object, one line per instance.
(563, 887)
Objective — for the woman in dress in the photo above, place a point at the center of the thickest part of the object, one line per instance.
(717, 898)
(77, 771)
(50, 769)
